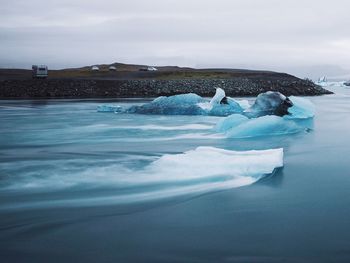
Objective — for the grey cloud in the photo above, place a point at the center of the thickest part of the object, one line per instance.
(265, 34)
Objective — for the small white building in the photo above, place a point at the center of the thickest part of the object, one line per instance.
(95, 68)
(40, 71)
(151, 69)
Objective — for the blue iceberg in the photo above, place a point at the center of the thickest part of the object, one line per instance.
(271, 114)
(269, 103)
(183, 104)
(230, 122)
(302, 109)
(220, 105)
(238, 126)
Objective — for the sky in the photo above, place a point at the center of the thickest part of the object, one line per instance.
(307, 38)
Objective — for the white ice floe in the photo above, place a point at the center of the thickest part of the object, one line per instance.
(198, 171)
(235, 168)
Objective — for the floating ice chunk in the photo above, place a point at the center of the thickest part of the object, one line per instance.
(235, 168)
(183, 99)
(218, 97)
(220, 105)
(230, 122)
(322, 81)
(345, 83)
(188, 104)
(264, 126)
(221, 109)
(269, 103)
(244, 104)
(234, 104)
(237, 127)
(225, 109)
(302, 109)
(203, 170)
(183, 104)
(108, 108)
(275, 103)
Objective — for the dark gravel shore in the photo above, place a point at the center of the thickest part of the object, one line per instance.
(152, 84)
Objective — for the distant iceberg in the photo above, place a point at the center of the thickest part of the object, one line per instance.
(322, 81)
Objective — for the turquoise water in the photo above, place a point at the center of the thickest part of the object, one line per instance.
(78, 185)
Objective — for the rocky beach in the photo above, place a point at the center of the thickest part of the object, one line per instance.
(129, 81)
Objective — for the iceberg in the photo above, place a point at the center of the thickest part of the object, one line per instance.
(243, 103)
(302, 109)
(269, 103)
(225, 109)
(238, 126)
(190, 104)
(220, 105)
(218, 97)
(230, 122)
(262, 120)
(183, 104)
(183, 99)
(322, 81)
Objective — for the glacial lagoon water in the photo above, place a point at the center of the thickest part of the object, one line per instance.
(77, 185)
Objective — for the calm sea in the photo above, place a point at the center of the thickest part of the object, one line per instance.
(81, 186)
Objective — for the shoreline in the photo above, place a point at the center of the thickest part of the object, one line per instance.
(130, 82)
(150, 88)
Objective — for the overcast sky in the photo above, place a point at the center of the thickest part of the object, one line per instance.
(302, 37)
